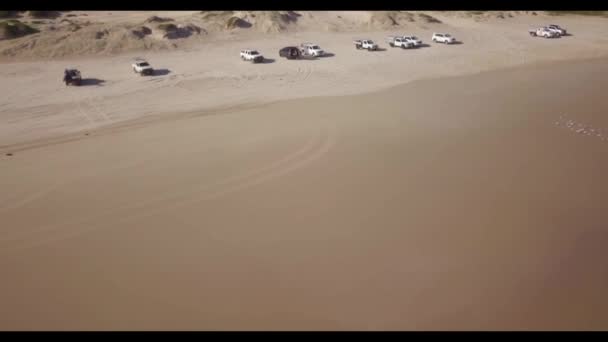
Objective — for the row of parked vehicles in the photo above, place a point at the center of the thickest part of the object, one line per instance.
(550, 31)
(289, 52)
(142, 67)
(404, 42)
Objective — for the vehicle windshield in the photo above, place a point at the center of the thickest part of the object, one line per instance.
(316, 47)
(447, 35)
(370, 42)
(254, 53)
(144, 64)
(414, 37)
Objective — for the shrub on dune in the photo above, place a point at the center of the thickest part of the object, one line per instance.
(11, 29)
(167, 27)
(44, 14)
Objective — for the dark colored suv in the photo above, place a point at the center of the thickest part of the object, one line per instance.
(290, 52)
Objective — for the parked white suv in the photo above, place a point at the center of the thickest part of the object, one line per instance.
(142, 67)
(544, 32)
(311, 50)
(413, 39)
(396, 41)
(252, 56)
(555, 28)
(443, 38)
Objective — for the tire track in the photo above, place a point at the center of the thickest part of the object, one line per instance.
(58, 185)
(102, 117)
(96, 108)
(84, 115)
(315, 148)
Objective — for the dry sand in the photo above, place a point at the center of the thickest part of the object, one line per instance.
(465, 202)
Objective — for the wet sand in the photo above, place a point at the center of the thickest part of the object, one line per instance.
(455, 203)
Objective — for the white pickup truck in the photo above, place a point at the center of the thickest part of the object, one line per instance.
(397, 41)
(443, 38)
(252, 56)
(309, 49)
(142, 67)
(366, 44)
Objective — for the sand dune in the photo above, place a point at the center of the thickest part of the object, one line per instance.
(78, 33)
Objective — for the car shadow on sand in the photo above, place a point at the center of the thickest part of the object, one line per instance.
(458, 42)
(267, 61)
(304, 58)
(327, 55)
(161, 72)
(91, 82)
(423, 45)
(377, 50)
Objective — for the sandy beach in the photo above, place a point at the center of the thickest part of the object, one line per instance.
(445, 188)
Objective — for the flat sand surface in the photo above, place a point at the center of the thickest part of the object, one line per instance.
(467, 202)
